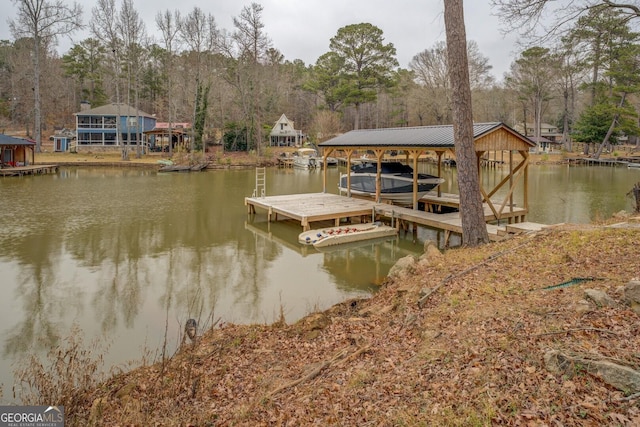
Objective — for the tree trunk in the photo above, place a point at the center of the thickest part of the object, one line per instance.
(37, 129)
(594, 72)
(474, 229)
(537, 120)
(636, 195)
(605, 141)
(566, 140)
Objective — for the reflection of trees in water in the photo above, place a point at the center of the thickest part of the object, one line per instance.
(115, 254)
(251, 276)
(119, 297)
(44, 304)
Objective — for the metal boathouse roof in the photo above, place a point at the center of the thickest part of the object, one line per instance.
(419, 136)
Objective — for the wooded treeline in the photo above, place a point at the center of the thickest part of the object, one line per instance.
(233, 84)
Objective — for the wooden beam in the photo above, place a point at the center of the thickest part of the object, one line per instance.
(525, 154)
(349, 152)
(415, 154)
(379, 154)
(325, 155)
(440, 154)
(508, 177)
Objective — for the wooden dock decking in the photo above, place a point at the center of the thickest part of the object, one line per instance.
(315, 207)
(28, 170)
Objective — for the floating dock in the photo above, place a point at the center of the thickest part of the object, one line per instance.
(28, 170)
(316, 207)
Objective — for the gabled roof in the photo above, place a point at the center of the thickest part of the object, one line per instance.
(65, 133)
(283, 119)
(287, 129)
(117, 109)
(12, 140)
(418, 137)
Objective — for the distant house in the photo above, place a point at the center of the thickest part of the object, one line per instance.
(284, 134)
(111, 127)
(547, 131)
(549, 134)
(62, 140)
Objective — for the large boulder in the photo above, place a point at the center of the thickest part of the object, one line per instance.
(432, 254)
(632, 295)
(621, 377)
(403, 267)
(600, 298)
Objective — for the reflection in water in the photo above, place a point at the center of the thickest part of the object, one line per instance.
(129, 255)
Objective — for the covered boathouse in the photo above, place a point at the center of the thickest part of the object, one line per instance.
(495, 140)
(490, 140)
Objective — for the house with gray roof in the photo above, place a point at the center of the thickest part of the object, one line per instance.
(111, 127)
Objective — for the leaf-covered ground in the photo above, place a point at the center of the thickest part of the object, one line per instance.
(471, 353)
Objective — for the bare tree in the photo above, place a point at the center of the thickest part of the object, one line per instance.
(123, 33)
(534, 77)
(252, 44)
(431, 69)
(169, 25)
(432, 74)
(43, 21)
(532, 17)
(20, 84)
(250, 37)
(104, 27)
(200, 34)
(132, 32)
(474, 229)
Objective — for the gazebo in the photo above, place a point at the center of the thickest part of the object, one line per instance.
(165, 134)
(416, 141)
(16, 151)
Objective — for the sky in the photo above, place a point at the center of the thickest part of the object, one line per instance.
(302, 29)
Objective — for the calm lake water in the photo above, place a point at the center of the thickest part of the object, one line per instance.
(129, 255)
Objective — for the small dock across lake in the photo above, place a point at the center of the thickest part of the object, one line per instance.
(28, 170)
(317, 207)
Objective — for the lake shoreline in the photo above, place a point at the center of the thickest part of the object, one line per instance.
(235, 160)
(454, 338)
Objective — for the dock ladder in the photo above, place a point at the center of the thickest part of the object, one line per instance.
(261, 183)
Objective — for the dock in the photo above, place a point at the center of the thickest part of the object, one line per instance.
(319, 207)
(633, 161)
(28, 170)
(285, 162)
